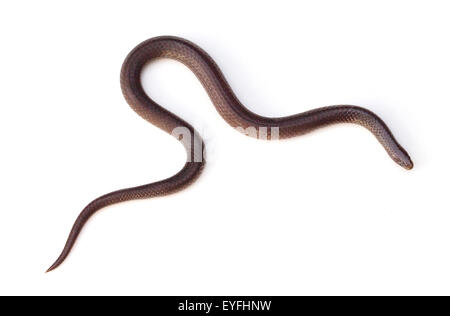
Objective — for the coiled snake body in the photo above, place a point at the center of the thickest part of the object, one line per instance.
(229, 107)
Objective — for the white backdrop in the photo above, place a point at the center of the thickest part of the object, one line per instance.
(326, 213)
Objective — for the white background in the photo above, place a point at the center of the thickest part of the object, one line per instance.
(326, 213)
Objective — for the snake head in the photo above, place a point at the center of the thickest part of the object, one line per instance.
(402, 158)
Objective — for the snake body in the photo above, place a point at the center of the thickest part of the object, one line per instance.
(229, 107)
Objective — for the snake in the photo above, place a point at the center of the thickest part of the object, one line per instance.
(231, 110)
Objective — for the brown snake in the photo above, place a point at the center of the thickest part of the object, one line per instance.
(228, 107)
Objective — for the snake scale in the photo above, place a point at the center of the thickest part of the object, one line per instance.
(229, 107)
